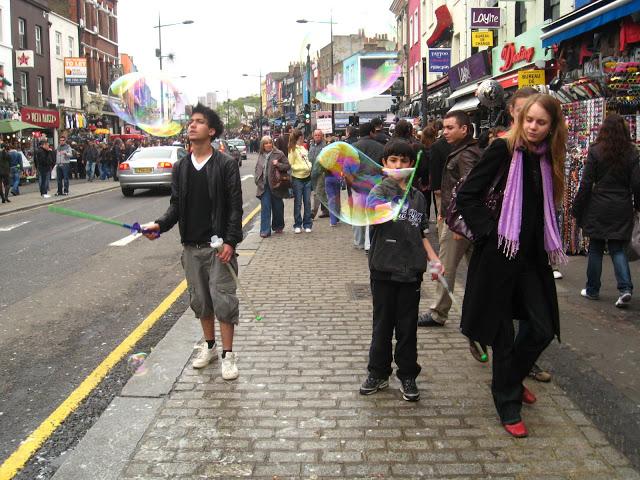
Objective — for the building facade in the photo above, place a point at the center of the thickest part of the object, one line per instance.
(63, 38)
(6, 53)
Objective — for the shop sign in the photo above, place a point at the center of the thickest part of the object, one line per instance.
(473, 68)
(530, 78)
(524, 50)
(439, 60)
(40, 117)
(582, 3)
(485, 17)
(75, 71)
(323, 122)
(482, 39)
(24, 59)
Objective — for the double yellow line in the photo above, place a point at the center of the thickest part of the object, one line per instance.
(34, 441)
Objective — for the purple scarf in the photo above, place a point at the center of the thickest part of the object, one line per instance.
(511, 214)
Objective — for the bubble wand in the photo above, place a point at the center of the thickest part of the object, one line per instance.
(133, 228)
(434, 269)
(216, 244)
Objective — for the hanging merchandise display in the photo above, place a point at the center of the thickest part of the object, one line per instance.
(583, 121)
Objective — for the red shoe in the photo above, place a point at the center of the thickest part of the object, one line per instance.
(528, 397)
(517, 430)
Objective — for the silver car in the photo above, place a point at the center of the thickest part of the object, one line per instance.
(149, 168)
(240, 145)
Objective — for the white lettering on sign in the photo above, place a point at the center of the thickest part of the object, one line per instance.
(484, 18)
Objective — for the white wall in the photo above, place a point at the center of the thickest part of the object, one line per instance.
(59, 50)
(6, 52)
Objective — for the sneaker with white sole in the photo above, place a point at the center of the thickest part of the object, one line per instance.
(557, 274)
(205, 356)
(297, 230)
(228, 367)
(307, 230)
(624, 300)
(584, 293)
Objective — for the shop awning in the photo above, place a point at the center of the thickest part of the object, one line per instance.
(586, 19)
(466, 104)
(464, 91)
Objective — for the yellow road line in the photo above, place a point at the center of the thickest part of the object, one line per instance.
(34, 441)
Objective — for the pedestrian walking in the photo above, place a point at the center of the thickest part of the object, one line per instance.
(63, 159)
(427, 139)
(44, 161)
(271, 203)
(301, 181)
(206, 200)
(90, 157)
(5, 173)
(16, 168)
(118, 157)
(509, 274)
(104, 159)
(396, 276)
(604, 206)
(315, 147)
(464, 155)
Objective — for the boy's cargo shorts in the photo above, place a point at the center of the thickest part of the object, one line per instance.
(212, 289)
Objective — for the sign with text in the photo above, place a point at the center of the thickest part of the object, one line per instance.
(482, 39)
(469, 70)
(75, 71)
(40, 117)
(524, 50)
(439, 60)
(485, 17)
(530, 78)
(323, 122)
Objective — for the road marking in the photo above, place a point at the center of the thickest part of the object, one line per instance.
(126, 240)
(244, 177)
(18, 459)
(14, 226)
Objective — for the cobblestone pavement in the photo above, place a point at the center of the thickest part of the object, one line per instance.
(295, 411)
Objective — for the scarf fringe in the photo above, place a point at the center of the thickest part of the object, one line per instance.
(557, 257)
(509, 247)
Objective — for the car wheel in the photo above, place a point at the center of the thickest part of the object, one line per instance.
(127, 191)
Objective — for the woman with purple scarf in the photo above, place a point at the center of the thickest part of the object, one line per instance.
(510, 275)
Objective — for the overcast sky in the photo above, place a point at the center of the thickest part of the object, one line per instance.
(232, 37)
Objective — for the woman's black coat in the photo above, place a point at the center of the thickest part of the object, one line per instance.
(490, 298)
(603, 206)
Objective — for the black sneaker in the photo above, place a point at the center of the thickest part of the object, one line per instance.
(426, 320)
(372, 385)
(410, 390)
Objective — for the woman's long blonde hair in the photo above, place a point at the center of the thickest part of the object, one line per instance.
(294, 135)
(263, 140)
(557, 138)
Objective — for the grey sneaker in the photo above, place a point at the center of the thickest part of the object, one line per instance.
(584, 293)
(372, 385)
(624, 300)
(410, 390)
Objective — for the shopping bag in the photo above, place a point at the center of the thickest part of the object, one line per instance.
(633, 249)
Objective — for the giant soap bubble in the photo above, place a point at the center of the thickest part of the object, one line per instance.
(490, 93)
(152, 103)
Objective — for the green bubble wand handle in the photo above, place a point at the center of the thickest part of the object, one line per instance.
(216, 244)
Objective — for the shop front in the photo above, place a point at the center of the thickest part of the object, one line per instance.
(464, 79)
(438, 93)
(48, 119)
(597, 50)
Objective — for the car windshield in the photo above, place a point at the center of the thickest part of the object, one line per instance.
(152, 153)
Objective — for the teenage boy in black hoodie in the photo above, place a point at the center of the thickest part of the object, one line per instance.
(397, 260)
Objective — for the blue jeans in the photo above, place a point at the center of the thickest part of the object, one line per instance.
(15, 180)
(43, 181)
(271, 212)
(91, 171)
(62, 174)
(302, 194)
(332, 187)
(620, 265)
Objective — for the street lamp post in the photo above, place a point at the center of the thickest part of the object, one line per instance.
(331, 23)
(260, 90)
(159, 52)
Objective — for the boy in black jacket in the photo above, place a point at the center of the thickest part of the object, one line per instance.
(398, 259)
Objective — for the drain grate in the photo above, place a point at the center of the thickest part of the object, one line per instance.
(358, 291)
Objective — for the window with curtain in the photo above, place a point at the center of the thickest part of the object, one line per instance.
(24, 88)
(38, 39)
(22, 33)
(40, 90)
(58, 44)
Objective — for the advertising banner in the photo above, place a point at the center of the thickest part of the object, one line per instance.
(40, 117)
(473, 68)
(439, 60)
(75, 71)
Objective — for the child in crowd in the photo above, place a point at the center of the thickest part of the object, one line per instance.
(398, 258)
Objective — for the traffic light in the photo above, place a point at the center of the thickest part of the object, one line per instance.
(397, 89)
(307, 114)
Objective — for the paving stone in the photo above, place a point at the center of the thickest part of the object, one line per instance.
(295, 410)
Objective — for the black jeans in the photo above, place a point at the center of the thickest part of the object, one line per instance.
(395, 307)
(514, 357)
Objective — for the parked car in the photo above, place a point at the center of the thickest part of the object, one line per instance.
(149, 168)
(225, 147)
(240, 145)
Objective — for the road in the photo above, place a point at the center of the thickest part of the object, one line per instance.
(69, 297)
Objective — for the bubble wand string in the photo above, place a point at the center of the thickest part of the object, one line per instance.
(409, 183)
(133, 228)
(216, 244)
